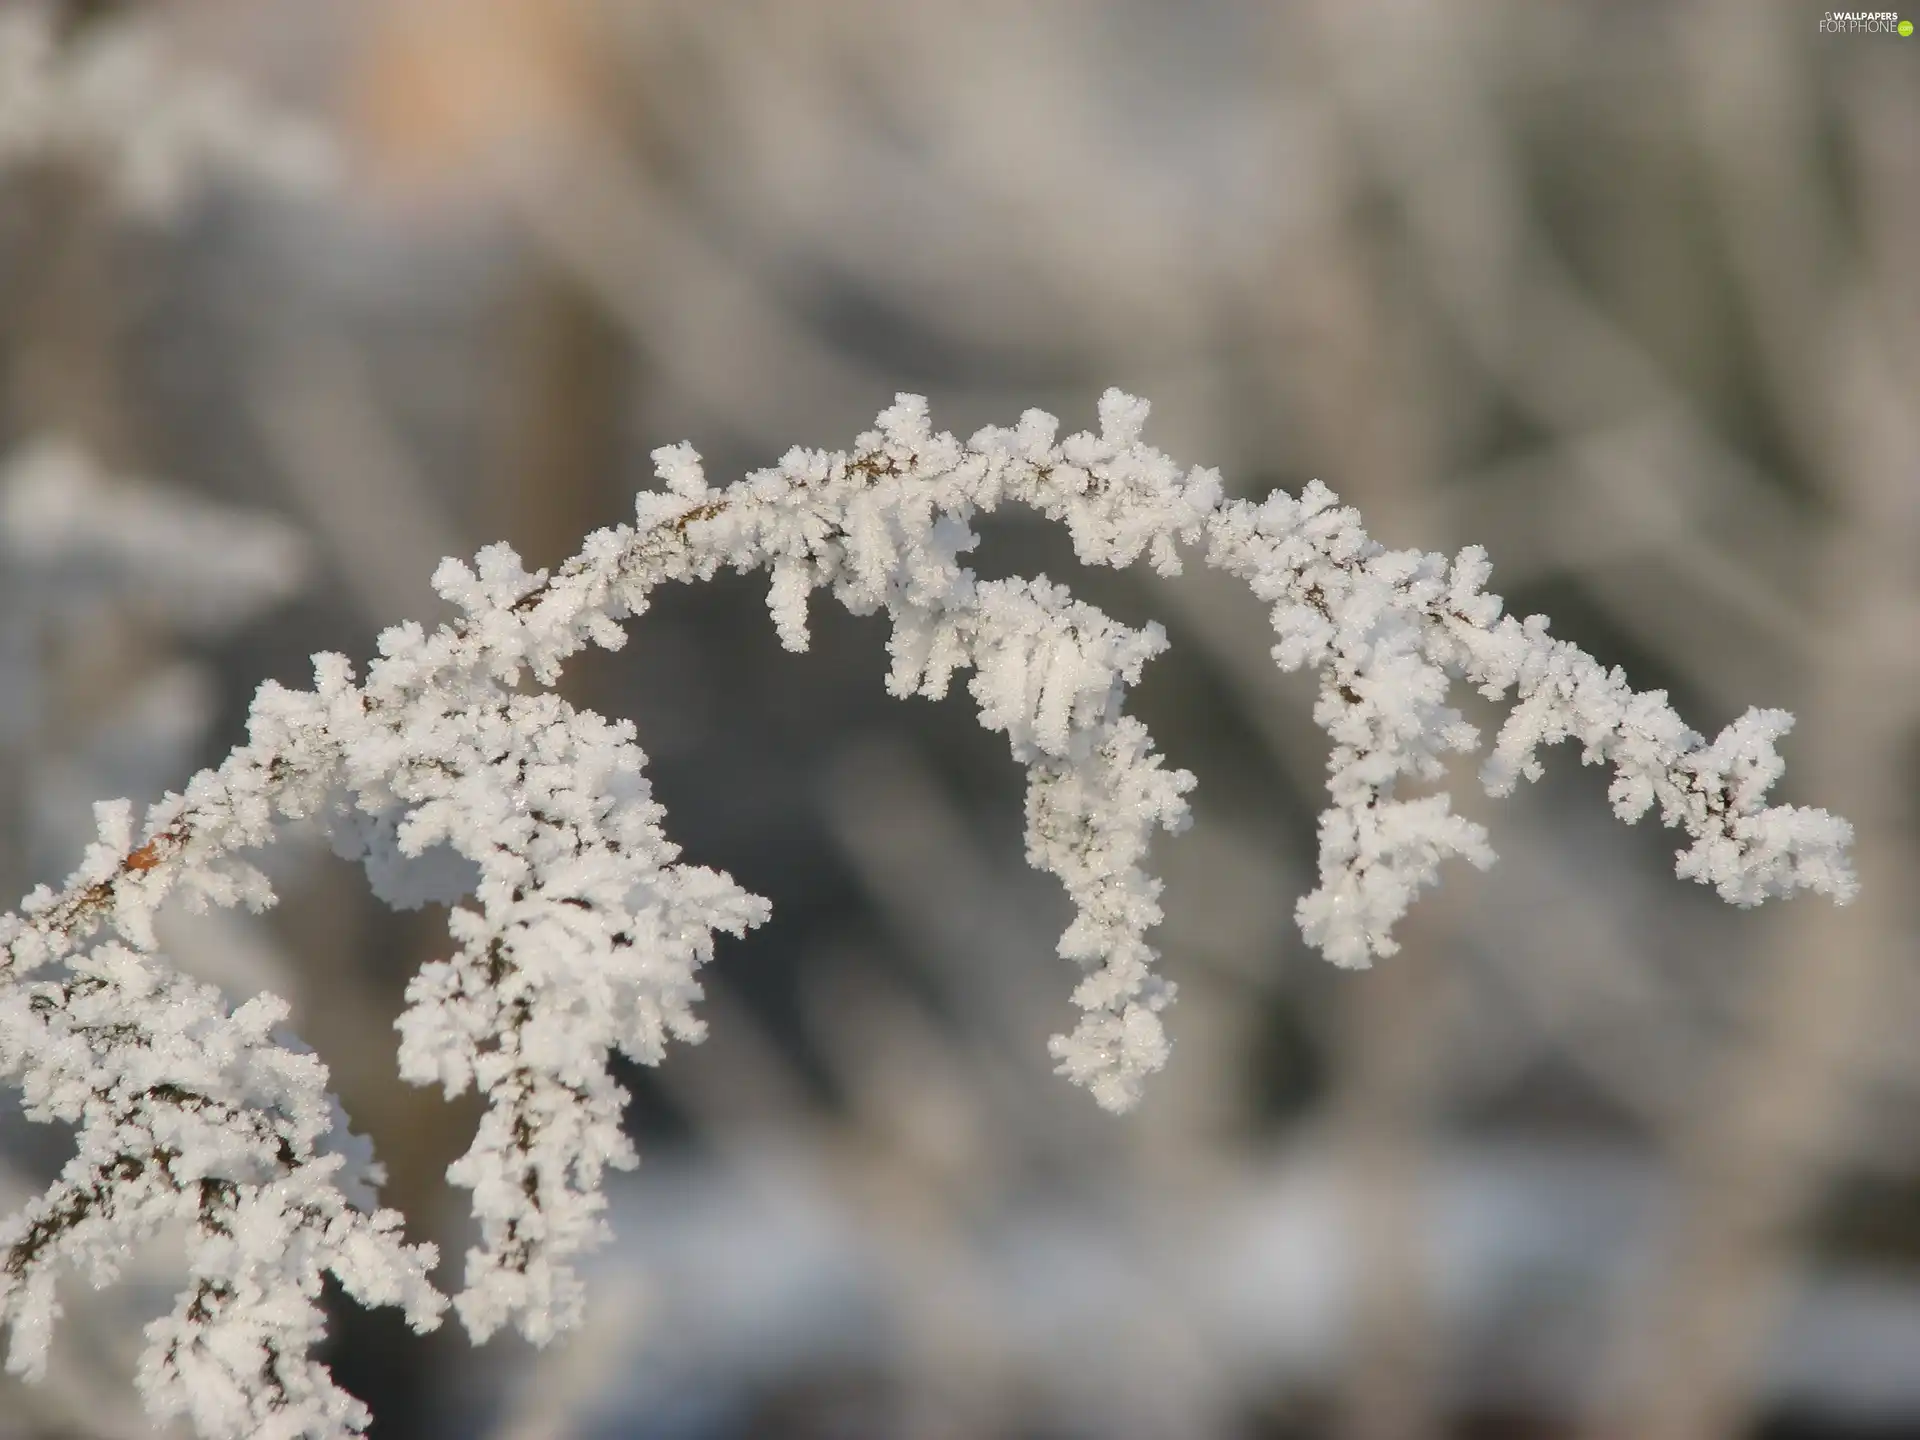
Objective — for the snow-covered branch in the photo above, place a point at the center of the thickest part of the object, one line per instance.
(577, 933)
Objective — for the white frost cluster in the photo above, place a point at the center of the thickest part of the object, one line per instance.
(190, 1115)
(111, 95)
(577, 933)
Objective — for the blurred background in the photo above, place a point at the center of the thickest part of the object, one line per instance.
(296, 299)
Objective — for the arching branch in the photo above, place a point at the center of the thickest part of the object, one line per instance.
(578, 934)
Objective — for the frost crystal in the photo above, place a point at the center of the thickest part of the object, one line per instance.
(578, 934)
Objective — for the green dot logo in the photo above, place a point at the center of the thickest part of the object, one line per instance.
(1906, 27)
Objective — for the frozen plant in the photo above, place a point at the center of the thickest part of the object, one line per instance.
(577, 933)
(96, 570)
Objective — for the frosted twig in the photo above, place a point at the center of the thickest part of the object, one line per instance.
(582, 936)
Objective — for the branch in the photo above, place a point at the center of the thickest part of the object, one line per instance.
(583, 936)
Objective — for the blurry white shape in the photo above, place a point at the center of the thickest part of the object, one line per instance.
(1540, 1248)
(69, 530)
(92, 569)
(112, 95)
